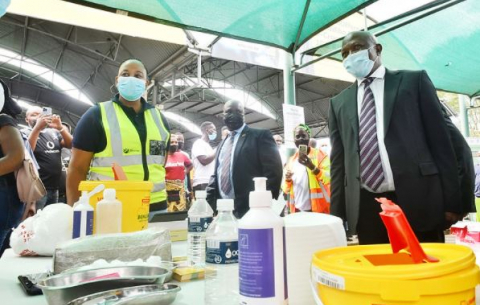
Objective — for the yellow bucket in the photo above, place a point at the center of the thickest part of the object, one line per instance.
(372, 275)
(135, 198)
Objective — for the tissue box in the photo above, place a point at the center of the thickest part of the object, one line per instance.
(123, 246)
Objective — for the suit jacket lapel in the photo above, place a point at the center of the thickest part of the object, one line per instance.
(239, 145)
(352, 110)
(392, 81)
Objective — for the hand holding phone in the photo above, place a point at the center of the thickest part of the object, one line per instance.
(302, 149)
(47, 111)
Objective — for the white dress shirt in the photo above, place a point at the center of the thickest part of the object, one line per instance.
(378, 89)
(301, 187)
(220, 164)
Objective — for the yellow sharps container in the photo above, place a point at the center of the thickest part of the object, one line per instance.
(372, 275)
(404, 272)
(135, 198)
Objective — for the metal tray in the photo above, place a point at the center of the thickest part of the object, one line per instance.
(140, 295)
(63, 288)
(170, 266)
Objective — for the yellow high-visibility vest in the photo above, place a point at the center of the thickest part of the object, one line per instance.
(125, 148)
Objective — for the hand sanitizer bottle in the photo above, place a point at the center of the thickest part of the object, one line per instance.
(261, 243)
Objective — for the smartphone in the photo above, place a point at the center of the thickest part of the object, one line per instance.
(302, 149)
(47, 111)
(29, 283)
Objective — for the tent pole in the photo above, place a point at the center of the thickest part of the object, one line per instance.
(365, 27)
(463, 101)
(288, 92)
(288, 80)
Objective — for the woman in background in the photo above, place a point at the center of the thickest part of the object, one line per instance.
(178, 164)
(11, 158)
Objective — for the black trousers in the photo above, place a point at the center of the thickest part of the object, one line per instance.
(370, 227)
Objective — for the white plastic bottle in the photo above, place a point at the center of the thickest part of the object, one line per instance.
(82, 217)
(108, 216)
(83, 214)
(262, 261)
(200, 215)
(221, 262)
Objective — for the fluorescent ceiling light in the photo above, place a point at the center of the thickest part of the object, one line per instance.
(189, 125)
(249, 100)
(82, 16)
(40, 71)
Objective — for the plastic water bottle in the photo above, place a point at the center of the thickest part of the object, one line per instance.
(200, 216)
(221, 268)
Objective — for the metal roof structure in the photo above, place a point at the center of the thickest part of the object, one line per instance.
(90, 59)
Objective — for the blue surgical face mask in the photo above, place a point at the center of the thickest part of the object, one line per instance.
(131, 88)
(359, 64)
(212, 136)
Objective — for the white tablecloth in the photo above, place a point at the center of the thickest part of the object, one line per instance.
(11, 292)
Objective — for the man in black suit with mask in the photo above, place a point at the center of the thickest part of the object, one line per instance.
(390, 139)
(245, 154)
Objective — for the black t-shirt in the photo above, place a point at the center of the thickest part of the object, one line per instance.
(6, 120)
(48, 154)
(90, 135)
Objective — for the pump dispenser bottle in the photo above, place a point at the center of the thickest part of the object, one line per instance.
(83, 214)
(261, 243)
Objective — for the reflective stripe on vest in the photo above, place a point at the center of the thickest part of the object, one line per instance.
(324, 191)
(126, 160)
(316, 195)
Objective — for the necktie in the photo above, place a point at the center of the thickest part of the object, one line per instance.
(371, 170)
(226, 185)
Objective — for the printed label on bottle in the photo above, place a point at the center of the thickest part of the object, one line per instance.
(328, 279)
(199, 224)
(77, 223)
(221, 252)
(256, 263)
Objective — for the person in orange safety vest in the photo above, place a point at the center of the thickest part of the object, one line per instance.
(307, 176)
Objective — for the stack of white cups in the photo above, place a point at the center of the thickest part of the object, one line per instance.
(307, 233)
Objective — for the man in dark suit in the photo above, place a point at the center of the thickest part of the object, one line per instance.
(390, 139)
(245, 154)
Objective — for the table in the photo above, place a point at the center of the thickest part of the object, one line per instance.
(11, 291)
(12, 265)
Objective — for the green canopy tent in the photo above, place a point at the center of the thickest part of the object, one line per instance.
(286, 24)
(442, 38)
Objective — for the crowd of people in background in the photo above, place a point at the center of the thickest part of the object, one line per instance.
(419, 160)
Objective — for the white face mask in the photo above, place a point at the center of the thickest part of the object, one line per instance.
(359, 64)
